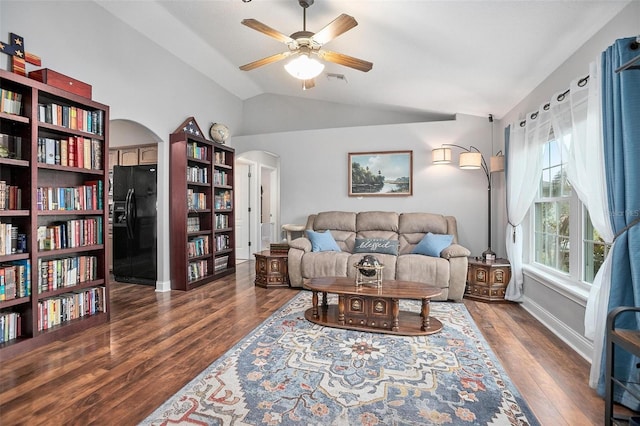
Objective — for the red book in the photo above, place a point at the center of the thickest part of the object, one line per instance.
(71, 151)
(80, 152)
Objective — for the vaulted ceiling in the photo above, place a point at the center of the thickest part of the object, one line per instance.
(472, 57)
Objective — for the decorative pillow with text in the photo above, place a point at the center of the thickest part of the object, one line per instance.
(376, 245)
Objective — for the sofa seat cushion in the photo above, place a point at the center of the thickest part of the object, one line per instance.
(434, 271)
(325, 264)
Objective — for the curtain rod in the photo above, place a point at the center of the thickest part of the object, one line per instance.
(581, 83)
(629, 65)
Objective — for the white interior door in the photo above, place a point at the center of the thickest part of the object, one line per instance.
(242, 180)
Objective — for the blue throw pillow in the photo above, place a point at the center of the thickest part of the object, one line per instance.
(376, 245)
(433, 244)
(322, 241)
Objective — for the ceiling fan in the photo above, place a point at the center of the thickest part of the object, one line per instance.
(305, 45)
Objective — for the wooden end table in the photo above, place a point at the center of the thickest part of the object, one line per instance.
(487, 280)
(271, 269)
(375, 309)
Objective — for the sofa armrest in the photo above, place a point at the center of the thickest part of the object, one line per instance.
(458, 277)
(302, 243)
(455, 250)
(297, 249)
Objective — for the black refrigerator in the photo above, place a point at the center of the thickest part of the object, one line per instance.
(134, 224)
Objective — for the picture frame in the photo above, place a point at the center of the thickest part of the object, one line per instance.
(380, 173)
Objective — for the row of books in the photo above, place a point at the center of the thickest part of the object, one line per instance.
(12, 145)
(10, 102)
(220, 157)
(10, 326)
(72, 117)
(66, 272)
(223, 200)
(70, 234)
(222, 221)
(70, 306)
(196, 151)
(10, 196)
(220, 178)
(197, 270)
(74, 151)
(83, 197)
(15, 279)
(12, 241)
(196, 200)
(197, 174)
(193, 223)
(223, 242)
(220, 263)
(198, 246)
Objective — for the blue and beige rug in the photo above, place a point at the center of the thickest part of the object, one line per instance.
(290, 371)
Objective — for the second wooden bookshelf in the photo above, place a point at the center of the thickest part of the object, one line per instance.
(201, 210)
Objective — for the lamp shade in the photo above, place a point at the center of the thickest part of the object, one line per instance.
(497, 163)
(470, 160)
(303, 67)
(441, 156)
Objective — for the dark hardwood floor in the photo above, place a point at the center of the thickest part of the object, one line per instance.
(118, 373)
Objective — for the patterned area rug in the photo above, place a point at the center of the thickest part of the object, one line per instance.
(291, 371)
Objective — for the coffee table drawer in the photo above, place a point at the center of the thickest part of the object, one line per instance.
(369, 311)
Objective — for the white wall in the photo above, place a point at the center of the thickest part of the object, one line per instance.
(563, 311)
(313, 171)
(138, 79)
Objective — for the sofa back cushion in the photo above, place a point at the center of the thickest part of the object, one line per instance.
(342, 226)
(412, 227)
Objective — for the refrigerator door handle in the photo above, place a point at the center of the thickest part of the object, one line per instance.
(127, 212)
(134, 212)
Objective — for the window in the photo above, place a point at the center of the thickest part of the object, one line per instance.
(564, 239)
(553, 211)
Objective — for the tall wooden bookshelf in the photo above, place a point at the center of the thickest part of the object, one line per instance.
(55, 207)
(201, 208)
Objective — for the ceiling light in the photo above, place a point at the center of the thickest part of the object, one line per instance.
(303, 67)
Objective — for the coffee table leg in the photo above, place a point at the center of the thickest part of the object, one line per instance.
(425, 314)
(314, 303)
(325, 305)
(395, 311)
(341, 309)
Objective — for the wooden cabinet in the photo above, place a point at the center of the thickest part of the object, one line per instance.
(271, 269)
(113, 158)
(148, 154)
(128, 157)
(53, 201)
(201, 209)
(487, 280)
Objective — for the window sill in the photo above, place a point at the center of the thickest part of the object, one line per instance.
(575, 291)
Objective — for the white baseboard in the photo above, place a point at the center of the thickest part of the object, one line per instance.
(579, 343)
(163, 286)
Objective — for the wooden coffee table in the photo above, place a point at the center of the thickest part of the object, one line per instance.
(370, 308)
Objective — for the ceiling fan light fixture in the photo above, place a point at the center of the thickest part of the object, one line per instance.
(303, 67)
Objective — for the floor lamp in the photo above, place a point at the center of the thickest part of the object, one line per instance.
(472, 159)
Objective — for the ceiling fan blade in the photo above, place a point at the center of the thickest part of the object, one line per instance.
(340, 25)
(267, 30)
(308, 84)
(346, 60)
(265, 61)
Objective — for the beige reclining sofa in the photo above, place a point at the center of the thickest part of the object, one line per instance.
(355, 233)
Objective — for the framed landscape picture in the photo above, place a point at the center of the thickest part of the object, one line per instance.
(384, 173)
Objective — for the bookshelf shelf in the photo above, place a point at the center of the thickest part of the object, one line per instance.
(22, 178)
(195, 257)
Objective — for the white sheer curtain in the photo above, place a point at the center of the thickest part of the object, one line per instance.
(577, 122)
(524, 152)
